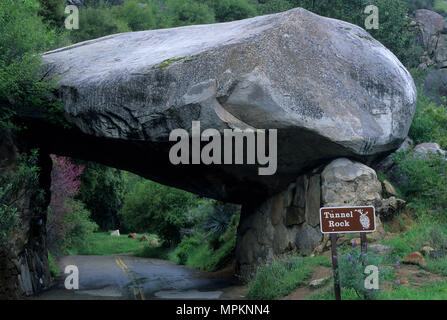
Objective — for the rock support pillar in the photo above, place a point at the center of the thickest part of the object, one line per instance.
(289, 221)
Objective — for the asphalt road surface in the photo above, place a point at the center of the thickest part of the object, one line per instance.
(128, 277)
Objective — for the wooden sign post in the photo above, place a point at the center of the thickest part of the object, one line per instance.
(335, 220)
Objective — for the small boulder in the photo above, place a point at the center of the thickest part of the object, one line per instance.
(380, 249)
(389, 188)
(154, 242)
(317, 283)
(414, 258)
(143, 239)
(426, 250)
(132, 235)
(115, 233)
(423, 149)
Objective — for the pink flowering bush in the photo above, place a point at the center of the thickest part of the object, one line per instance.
(68, 220)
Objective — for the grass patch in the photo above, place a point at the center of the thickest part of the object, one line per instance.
(282, 276)
(102, 243)
(425, 232)
(440, 5)
(53, 269)
(436, 291)
(328, 294)
(207, 259)
(160, 252)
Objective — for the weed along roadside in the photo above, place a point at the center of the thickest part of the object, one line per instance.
(335, 220)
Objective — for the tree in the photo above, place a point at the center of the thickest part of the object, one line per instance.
(230, 10)
(52, 12)
(102, 190)
(68, 221)
(96, 22)
(187, 12)
(22, 36)
(137, 17)
(152, 207)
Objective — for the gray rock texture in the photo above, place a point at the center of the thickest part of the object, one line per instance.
(423, 149)
(290, 221)
(431, 23)
(24, 266)
(327, 86)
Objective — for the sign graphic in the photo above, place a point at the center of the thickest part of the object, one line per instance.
(347, 219)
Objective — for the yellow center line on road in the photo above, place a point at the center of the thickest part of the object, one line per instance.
(132, 277)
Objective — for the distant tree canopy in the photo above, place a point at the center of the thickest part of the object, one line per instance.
(101, 19)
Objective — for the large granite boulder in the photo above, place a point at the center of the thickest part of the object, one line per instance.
(327, 86)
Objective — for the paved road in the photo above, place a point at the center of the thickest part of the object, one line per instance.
(129, 277)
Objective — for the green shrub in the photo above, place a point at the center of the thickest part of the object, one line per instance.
(423, 181)
(187, 245)
(230, 10)
(160, 252)
(102, 190)
(96, 22)
(14, 187)
(79, 227)
(136, 17)
(282, 275)
(52, 264)
(429, 122)
(187, 12)
(208, 250)
(155, 208)
(52, 12)
(22, 36)
(351, 268)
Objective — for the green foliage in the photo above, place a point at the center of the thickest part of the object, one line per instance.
(440, 6)
(52, 264)
(187, 12)
(52, 12)
(187, 245)
(152, 207)
(79, 227)
(429, 122)
(351, 268)
(210, 244)
(160, 252)
(219, 218)
(102, 190)
(230, 10)
(433, 291)
(96, 22)
(22, 36)
(281, 276)
(136, 17)
(102, 243)
(420, 4)
(423, 181)
(14, 187)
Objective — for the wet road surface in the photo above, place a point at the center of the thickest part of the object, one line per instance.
(129, 277)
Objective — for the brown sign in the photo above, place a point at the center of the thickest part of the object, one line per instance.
(347, 219)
